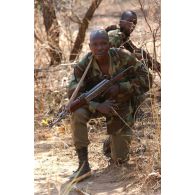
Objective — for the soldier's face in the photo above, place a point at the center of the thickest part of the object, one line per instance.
(127, 26)
(99, 46)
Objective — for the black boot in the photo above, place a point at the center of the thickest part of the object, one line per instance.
(107, 147)
(83, 170)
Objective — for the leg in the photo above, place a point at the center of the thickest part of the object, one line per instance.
(120, 135)
(79, 121)
(120, 145)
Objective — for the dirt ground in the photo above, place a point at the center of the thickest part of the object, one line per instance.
(55, 160)
(54, 154)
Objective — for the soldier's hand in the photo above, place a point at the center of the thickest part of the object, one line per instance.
(112, 92)
(111, 27)
(106, 107)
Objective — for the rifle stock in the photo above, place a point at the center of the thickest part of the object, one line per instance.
(79, 102)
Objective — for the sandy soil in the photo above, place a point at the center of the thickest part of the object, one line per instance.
(55, 160)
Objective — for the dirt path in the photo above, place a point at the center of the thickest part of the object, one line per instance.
(55, 160)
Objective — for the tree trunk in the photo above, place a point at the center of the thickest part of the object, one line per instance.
(53, 31)
(82, 29)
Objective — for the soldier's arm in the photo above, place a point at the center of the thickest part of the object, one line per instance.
(139, 79)
(111, 27)
(77, 74)
(142, 54)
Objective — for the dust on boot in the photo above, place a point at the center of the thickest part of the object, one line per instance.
(83, 170)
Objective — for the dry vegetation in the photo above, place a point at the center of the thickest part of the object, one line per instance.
(54, 151)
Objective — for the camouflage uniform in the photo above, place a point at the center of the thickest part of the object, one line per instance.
(134, 84)
(118, 39)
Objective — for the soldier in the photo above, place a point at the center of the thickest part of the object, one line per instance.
(120, 36)
(106, 62)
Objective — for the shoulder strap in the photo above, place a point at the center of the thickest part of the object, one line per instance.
(80, 82)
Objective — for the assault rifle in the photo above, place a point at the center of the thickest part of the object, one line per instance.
(86, 97)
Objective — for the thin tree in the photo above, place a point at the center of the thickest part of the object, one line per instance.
(78, 44)
(52, 29)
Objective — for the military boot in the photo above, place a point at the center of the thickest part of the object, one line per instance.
(83, 170)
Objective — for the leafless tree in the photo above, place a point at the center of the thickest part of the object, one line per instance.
(83, 25)
(52, 30)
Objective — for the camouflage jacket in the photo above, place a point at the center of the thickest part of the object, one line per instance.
(118, 39)
(133, 85)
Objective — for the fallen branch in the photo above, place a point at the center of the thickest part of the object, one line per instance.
(48, 69)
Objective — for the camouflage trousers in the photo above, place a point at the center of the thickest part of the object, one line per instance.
(119, 132)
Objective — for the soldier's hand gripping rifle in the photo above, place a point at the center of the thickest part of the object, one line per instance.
(86, 97)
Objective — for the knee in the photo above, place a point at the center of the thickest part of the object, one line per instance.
(80, 114)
